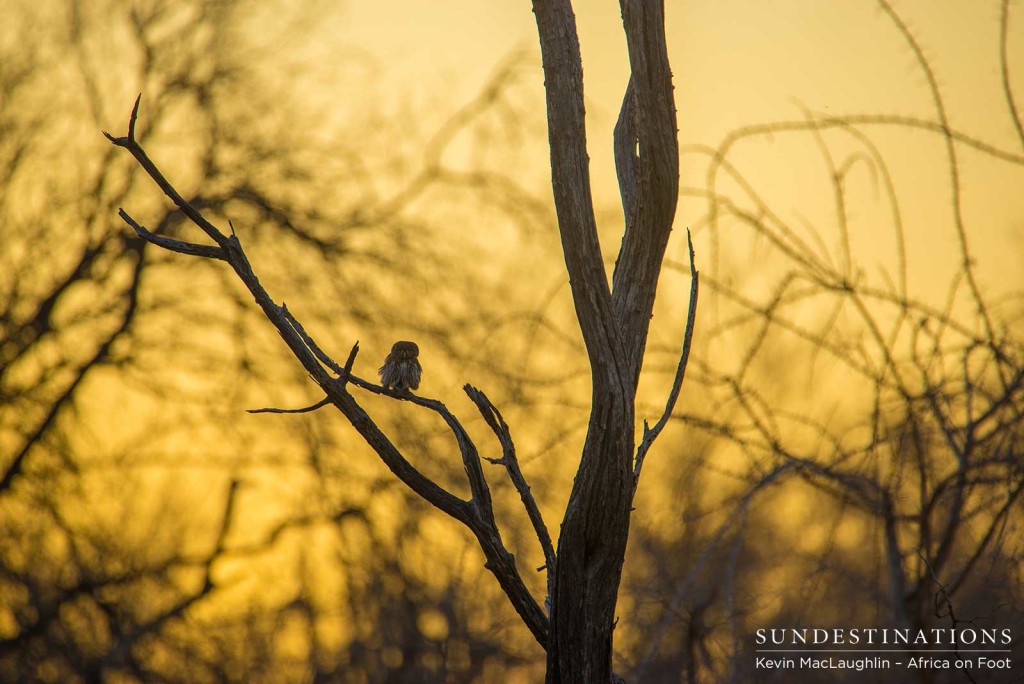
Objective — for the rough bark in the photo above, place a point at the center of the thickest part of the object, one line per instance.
(585, 572)
(614, 323)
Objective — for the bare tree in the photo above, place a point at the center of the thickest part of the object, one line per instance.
(893, 412)
(584, 574)
(912, 488)
(88, 314)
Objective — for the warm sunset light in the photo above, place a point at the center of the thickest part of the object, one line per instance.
(201, 479)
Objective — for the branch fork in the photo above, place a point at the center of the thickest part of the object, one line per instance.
(477, 513)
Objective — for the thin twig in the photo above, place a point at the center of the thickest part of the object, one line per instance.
(305, 409)
(130, 143)
(651, 434)
(349, 362)
(508, 459)
(943, 600)
(170, 244)
(310, 344)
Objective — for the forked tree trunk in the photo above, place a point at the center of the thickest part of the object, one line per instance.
(614, 322)
(592, 546)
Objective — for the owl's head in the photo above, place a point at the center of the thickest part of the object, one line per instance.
(405, 350)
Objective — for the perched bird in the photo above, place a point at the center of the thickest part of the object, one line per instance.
(401, 370)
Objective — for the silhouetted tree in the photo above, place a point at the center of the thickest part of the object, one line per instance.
(584, 574)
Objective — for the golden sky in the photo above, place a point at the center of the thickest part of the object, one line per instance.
(737, 63)
(741, 62)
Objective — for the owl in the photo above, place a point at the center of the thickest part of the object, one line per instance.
(401, 370)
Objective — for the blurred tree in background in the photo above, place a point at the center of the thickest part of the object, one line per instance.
(857, 408)
(847, 451)
(149, 530)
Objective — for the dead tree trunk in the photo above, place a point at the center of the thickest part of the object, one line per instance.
(614, 322)
(584, 574)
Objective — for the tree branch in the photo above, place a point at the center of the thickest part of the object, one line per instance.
(320, 354)
(131, 144)
(508, 459)
(648, 180)
(626, 159)
(476, 514)
(570, 183)
(305, 409)
(126, 641)
(170, 244)
(677, 382)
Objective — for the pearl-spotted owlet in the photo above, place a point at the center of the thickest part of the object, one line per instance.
(401, 370)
